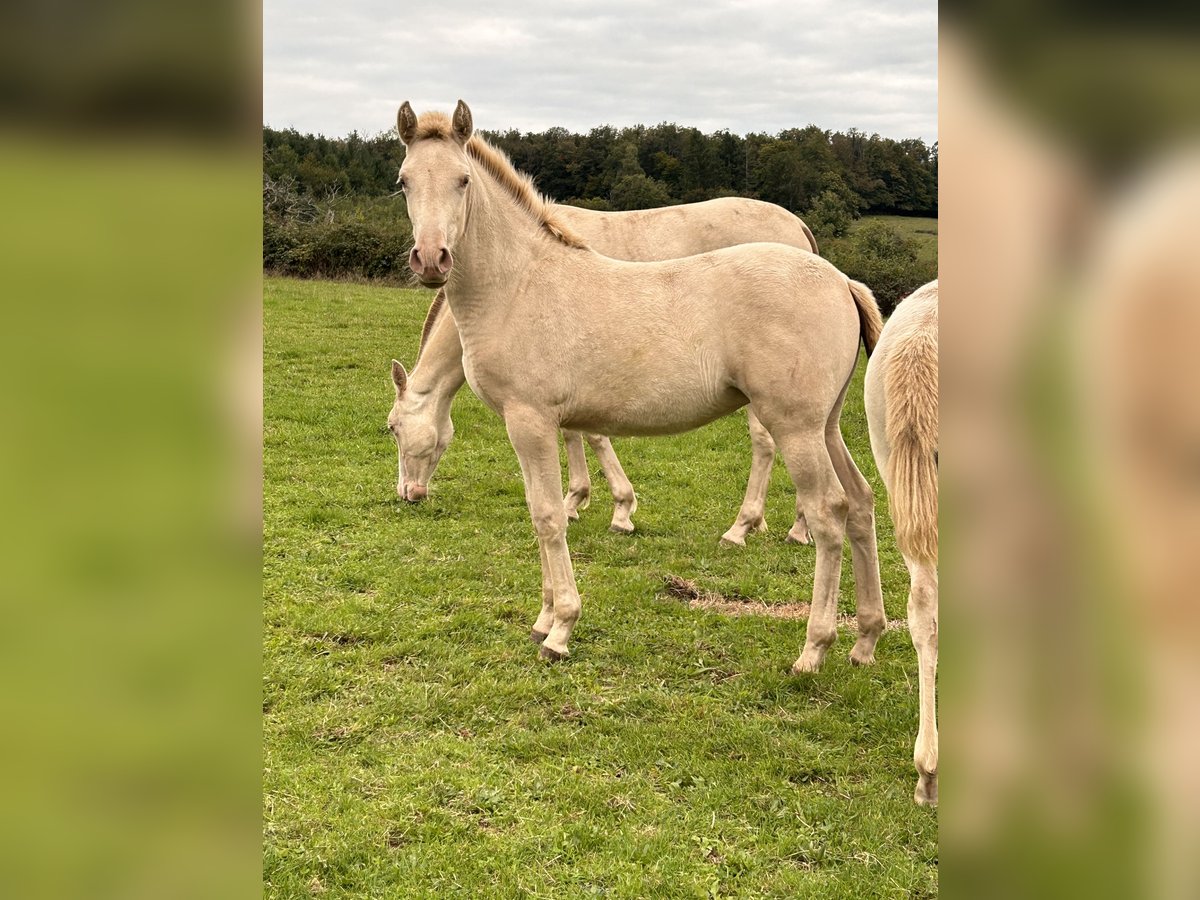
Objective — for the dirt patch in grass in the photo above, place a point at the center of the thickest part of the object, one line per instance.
(737, 605)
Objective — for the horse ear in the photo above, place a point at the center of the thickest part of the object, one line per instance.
(399, 376)
(463, 124)
(406, 123)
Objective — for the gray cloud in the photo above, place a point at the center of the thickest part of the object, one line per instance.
(745, 65)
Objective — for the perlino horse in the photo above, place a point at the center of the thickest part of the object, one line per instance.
(902, 415)
(555, 335)
(420, 416)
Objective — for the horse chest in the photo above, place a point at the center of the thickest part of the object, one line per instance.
(482, 380)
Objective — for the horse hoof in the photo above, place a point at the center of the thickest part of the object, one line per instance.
(536, 636)
(550, 655)
(806, 666)
(729, 539)
(862, 657)
(797, 536)
(621, 528)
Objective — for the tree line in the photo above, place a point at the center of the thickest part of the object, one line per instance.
(641, 167)
(329, 209)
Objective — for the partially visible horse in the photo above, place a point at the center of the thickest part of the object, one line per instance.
(421, 409)
(555, 335)
(902, 414)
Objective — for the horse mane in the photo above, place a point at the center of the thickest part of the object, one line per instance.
(431, 317)
(517, 184)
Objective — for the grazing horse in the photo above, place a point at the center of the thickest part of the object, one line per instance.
(420, 415)
(555, 335)
(902, 415)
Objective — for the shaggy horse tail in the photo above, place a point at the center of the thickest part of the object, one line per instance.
(870, 321)
(812, 240)
(911, 388)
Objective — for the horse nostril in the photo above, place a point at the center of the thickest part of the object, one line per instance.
(414, 261)
(445, 260)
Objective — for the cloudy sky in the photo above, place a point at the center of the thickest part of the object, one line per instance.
(745, 65)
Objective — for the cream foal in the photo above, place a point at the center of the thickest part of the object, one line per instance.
(423, 397)
(555, 335)
(902, 414)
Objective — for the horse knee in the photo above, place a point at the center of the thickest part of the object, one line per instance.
(550, 524)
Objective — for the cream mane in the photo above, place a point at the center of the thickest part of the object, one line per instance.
(517, 184)
(431, 317)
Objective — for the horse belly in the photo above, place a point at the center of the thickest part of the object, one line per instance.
(659, 406)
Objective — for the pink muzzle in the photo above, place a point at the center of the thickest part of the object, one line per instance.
(413, 493)
(431, 262)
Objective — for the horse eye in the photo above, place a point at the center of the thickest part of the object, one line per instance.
(466, 179)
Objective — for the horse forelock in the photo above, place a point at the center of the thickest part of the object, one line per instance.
(433, 125)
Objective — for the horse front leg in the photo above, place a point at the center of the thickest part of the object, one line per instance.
(535, 440)
(579, 481)
(624, 499)
(545, 619)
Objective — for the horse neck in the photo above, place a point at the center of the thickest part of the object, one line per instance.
(499, 243)
(439, 374)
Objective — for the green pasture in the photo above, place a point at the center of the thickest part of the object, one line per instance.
(924, 231)
(415, 746)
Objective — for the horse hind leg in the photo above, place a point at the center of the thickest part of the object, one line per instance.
(923, 627)
(821, 499)
(624, 499)
(751, 516)
(579, 482)
(864, 550)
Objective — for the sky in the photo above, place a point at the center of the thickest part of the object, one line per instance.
(743, 65)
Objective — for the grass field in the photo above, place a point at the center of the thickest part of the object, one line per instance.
(922, 230)
(416, 747)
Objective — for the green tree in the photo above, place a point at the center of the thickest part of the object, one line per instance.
(883, 259)
(829, 216)
(639, 192)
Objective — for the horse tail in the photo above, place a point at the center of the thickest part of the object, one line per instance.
(812, 240)
(870, 321)
(911, 388)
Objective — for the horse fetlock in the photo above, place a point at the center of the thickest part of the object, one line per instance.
(863, 651)
(926, 793)
(871, 624)
(925, 754)
(577, 500)
(747, 522)
(798, 533)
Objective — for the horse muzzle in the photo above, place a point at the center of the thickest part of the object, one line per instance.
(431, 264)
(412, 493)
